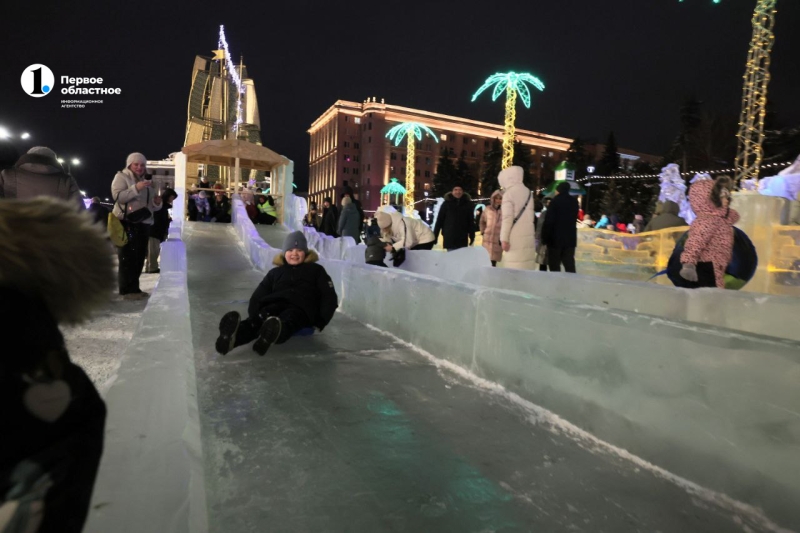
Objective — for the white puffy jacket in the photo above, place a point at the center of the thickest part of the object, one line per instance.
(407, 236)
(521, 238)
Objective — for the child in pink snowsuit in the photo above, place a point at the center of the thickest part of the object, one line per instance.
(711, 234)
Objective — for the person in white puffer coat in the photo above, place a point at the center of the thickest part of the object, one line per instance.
(518, 240)
(405, 232)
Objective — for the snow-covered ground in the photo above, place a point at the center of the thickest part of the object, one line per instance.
(97, 346)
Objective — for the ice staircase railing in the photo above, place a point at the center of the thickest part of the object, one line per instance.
(703, 402)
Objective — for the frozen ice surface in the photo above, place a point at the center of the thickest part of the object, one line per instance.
(98, 345)
(352, 430)
(760, 314)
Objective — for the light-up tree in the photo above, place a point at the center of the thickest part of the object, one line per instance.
(409, 130)
(750, 137)
(513, 83)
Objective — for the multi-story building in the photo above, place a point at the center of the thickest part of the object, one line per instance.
(348, 143)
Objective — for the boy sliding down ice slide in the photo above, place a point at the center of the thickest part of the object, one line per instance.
(298, 293)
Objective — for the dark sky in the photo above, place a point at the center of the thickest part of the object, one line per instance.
(622, 65)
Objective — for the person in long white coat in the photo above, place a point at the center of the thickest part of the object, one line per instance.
(518, 239)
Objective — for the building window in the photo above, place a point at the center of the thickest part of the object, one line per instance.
(367, 192)
(347, 157)
(472, 154)
(345, 118)
(370, 126)
(416, 172)
(367, 166)
(427, 173)
(367, 184)
(466, 140)
(357, 120)
(443, 136)
(474, 141)
(355, 171)
(345, 170)
(486, 144)
(463, 153)
(391, 169)
(550, 154)
(369, 139)
(355, 145)
(393, 157)
(427, 160)
(346, 144)
(427, 187)
(533, 151)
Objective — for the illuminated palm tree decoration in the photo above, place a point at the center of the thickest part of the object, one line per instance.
(409, 130)
(513, 83)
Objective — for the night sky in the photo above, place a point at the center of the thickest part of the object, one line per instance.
(622, 65)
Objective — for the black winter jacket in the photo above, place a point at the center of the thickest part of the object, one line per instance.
(330, 221)
(99, 214)
(455, 222)
(160, 228)
(306, 286)
(560, 222)
(375, 249)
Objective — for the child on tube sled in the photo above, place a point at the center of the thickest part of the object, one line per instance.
(297, 294)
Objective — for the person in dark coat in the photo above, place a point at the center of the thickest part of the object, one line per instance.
(560, 233)
(666, 217)
(222, 212)
(159, 231)
(330, 218)
(99, 213)
(375, 252)
(58, 271)
(456, 221)
(38, 173)
(297, 294)
(350, 220)
(373, 230)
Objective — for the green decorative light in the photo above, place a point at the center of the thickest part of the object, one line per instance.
(399, 132)
(393, 187)
(518, 81)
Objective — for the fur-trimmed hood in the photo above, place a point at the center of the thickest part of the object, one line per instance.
(449, 197)
(50, 250)
(311, 257)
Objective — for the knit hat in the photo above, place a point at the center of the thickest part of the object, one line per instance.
(384, 219)
(42, 150)
(135, 157)
(295, 240)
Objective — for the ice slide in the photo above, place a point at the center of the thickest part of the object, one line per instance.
(349, 430)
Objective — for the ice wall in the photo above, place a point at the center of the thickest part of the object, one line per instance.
(713, 405)
(151, 475)
(738, 311)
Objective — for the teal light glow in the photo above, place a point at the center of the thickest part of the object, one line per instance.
(393, 187)
(399, 132)
(518, 81)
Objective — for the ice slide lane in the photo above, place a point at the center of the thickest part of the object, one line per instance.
(349, 431)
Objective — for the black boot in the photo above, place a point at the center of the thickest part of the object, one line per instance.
(228, 327)
(269, 333)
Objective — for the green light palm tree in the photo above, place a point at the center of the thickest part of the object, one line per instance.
(513, 83)
(409, 130)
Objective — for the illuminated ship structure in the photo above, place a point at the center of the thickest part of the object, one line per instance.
(222, 105)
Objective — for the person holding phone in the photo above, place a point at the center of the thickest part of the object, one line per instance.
(135, 201)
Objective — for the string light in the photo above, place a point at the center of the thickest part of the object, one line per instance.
(223, 45)
(691, 173)
(513, 83)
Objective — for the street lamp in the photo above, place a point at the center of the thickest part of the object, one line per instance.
(76, 161)
(25, 135)
(4, 133)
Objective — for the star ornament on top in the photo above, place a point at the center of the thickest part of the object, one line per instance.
(518, 81)
(398, 133)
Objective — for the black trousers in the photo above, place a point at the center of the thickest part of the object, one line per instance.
(426, 246)
(377, 263)
(561, 256)
(132, 256)
(293, 319)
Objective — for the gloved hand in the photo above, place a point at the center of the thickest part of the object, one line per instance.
(689, 272)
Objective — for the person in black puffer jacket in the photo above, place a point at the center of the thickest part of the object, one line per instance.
(455, 220)
(297, 294)
(375, 252)
(159, 231)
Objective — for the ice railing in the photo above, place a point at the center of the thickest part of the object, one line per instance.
(649, 249)
(784, 262)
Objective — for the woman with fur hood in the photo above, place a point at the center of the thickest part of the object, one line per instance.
(709, 246)
(517, 238)
(297, 294)
(490, 223)
(54, 269)
(135, 201)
